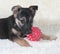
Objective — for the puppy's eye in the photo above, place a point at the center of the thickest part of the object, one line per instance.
(22, 21)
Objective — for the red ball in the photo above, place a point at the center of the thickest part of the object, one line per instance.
(35, 35)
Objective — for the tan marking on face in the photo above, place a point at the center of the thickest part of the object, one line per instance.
(18, 22)
(14, 31)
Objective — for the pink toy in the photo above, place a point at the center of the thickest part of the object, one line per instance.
(35, 35)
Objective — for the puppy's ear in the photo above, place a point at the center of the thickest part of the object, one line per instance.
(33, 8)
(15, 9)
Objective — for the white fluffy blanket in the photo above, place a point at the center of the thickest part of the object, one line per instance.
(41, 47)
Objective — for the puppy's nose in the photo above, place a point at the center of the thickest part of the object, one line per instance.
(28, 32)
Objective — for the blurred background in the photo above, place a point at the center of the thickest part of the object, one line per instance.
(47, 17)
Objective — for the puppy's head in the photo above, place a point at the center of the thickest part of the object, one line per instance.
(24, 17)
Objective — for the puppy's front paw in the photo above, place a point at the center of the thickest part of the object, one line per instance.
(22, 42)
(52, 38)
(25, 44)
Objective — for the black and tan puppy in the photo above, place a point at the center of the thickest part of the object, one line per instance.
(16, 26)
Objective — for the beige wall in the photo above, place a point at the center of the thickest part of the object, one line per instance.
(48, 12)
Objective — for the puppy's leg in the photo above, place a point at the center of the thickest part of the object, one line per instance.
(46, 37)
(21, 42)
(18, 39)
